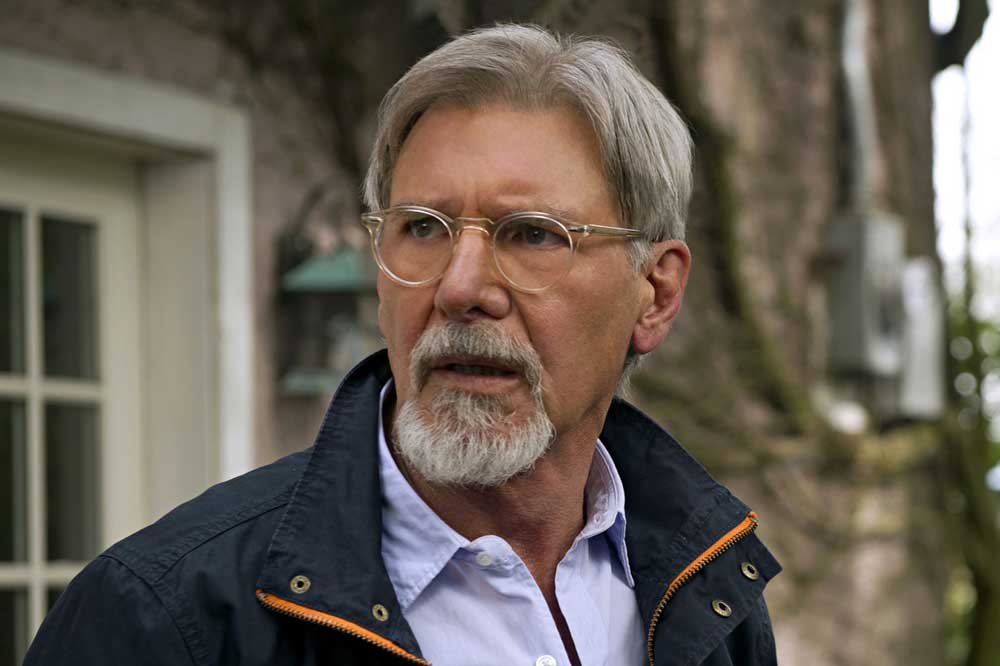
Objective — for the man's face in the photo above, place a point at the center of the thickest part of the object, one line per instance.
(488, 162)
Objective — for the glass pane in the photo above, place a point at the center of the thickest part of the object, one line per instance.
(13, 472)
(71, 481)
(69, 298)
(13, 626)
(11, 291)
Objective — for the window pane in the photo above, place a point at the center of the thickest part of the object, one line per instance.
(11, 291)
(13, 626)
(13, 472)
(71, 481)
(69, 298)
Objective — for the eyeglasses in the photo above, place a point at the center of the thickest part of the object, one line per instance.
(413, 245)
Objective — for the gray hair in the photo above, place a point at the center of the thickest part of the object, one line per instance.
(644, 144)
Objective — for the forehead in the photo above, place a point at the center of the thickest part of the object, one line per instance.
(497, 156)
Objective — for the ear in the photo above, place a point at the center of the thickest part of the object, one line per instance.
(666, 277)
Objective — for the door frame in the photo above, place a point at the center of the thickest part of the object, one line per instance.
(196, 153)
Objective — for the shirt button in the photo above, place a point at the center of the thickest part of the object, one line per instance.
(546, 660)
(485, 560)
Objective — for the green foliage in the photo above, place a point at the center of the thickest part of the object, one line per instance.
(971, 435)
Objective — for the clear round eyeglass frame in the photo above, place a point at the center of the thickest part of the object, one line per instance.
(413, 245)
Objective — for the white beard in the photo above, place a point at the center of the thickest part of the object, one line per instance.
(467, 439)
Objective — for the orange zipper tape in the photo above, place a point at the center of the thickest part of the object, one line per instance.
(332, 621)
(724, 543)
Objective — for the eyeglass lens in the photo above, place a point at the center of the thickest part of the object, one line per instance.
(414, 246)
(531, 252)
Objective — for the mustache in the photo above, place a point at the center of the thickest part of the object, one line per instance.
(478, 340)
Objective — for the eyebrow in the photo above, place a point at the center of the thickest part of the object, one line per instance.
(562, 214)
(444, 205)
(440, 205)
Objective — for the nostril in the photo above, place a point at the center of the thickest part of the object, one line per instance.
(471, 290)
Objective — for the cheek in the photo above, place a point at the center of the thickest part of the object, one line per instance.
(580, 346)
(403, 314)
(391, 322)
(399, 312)
(566, 342)
(386, 320)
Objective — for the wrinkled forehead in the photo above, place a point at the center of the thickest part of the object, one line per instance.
(552, 104)
(496, 160)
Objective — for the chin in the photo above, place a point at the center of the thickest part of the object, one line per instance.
(469, 439)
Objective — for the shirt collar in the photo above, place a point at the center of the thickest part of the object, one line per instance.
(605, 498)
(417, 544)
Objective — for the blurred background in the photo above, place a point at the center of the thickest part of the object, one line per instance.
(183, 279)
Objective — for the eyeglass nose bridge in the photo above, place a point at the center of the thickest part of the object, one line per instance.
(485, 226)
(463, 225)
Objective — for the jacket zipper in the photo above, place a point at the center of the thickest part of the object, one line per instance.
(299, 612)
(728, 540)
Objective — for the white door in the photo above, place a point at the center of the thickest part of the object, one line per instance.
(70, 370)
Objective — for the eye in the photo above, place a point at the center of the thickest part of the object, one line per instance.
(424, 227)
(407, 226)
(533, 233)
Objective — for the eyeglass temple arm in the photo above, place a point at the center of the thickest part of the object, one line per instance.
(605, 230)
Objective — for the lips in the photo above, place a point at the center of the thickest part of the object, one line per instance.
(486, 370)
(476, 357)
(475, 366)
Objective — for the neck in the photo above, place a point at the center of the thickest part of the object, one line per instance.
(539, 514)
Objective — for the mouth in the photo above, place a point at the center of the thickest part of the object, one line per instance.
(474, 372)
(474, 358)
(476, 369)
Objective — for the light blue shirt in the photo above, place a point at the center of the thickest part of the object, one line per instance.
(474, 603)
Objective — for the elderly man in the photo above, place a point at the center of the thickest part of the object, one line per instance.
(477, 494)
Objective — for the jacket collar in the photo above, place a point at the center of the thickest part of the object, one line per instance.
(331, 528)
(675, 509)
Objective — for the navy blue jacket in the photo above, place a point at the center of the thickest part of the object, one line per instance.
(283, 566)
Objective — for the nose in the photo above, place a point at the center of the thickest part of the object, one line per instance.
(471, 288)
